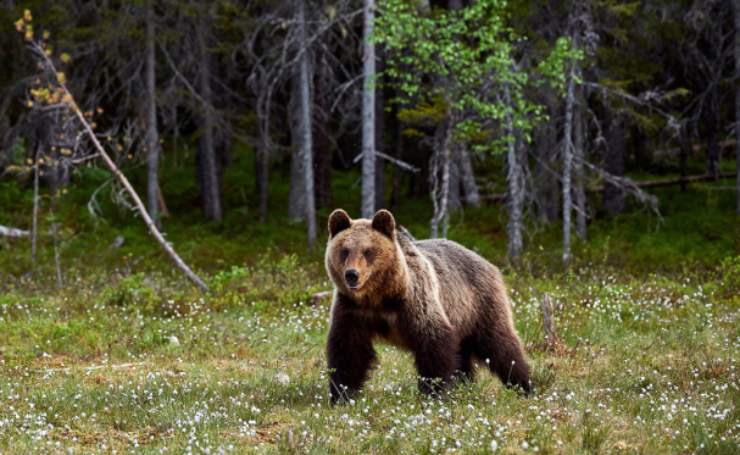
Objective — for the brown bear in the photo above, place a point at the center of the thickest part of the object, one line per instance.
(435, 298)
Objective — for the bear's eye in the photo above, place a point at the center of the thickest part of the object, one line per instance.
(343, 253)
(368, 253)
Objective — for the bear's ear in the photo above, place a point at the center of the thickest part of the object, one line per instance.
(338, 221)
(384, 222)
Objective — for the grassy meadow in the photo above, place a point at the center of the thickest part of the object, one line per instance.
(126, 356)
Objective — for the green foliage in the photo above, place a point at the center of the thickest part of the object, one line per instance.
(469, 57)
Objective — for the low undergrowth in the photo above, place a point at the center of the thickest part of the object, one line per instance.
(127, 356)
(142, 362)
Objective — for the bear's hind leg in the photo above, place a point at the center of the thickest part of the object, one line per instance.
(467, 369)
(502, 351)
(437, 360)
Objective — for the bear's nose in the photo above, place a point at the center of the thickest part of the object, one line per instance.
(351, 276)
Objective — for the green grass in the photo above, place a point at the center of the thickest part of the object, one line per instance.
(127, 356)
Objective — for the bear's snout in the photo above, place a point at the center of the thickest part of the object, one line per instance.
(351, 276)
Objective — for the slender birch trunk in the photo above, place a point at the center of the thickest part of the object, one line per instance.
(472, 196)
(35, 220)
(514, 180)
(368, 112)
(440, 184)
(568, 164)
(152, 134)
(263, 169)
(578, 156)
(306, 137)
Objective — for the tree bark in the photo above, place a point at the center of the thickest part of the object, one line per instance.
(368, 112)
(152, 134)
(262, 169)
(578, 156)
(453, 199)
(613, 195)
(306, 137)
(568, 163)
(515, 190)
(440, 163)
(35, 220)
(211, 190)
(472, 195)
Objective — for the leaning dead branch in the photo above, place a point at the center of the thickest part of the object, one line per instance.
(70, 103)
(400, 163)
(627, 185)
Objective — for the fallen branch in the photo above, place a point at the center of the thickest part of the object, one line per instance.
(120, 366)
(13, 232)
(319, 296)
(680, 180)
(70, 103)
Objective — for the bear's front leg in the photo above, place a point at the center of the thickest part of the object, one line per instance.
(349, 352)
(437, 360)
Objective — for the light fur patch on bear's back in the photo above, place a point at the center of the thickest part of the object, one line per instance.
(463, 276)
(423, 288)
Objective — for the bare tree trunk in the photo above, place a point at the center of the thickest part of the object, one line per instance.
(57, 257)
(152, 135)
(262, 165)
(305, 116)
(368, 112)
(211, 190)
(35, 221)
(453, 198)
(578, 157)
(736, 5)
(515, 193)
(440, 162)
(472, 196)
(568, 163)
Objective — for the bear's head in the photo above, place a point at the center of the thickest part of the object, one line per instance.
(362, 256)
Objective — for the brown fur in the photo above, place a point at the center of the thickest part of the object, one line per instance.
(435, 298)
